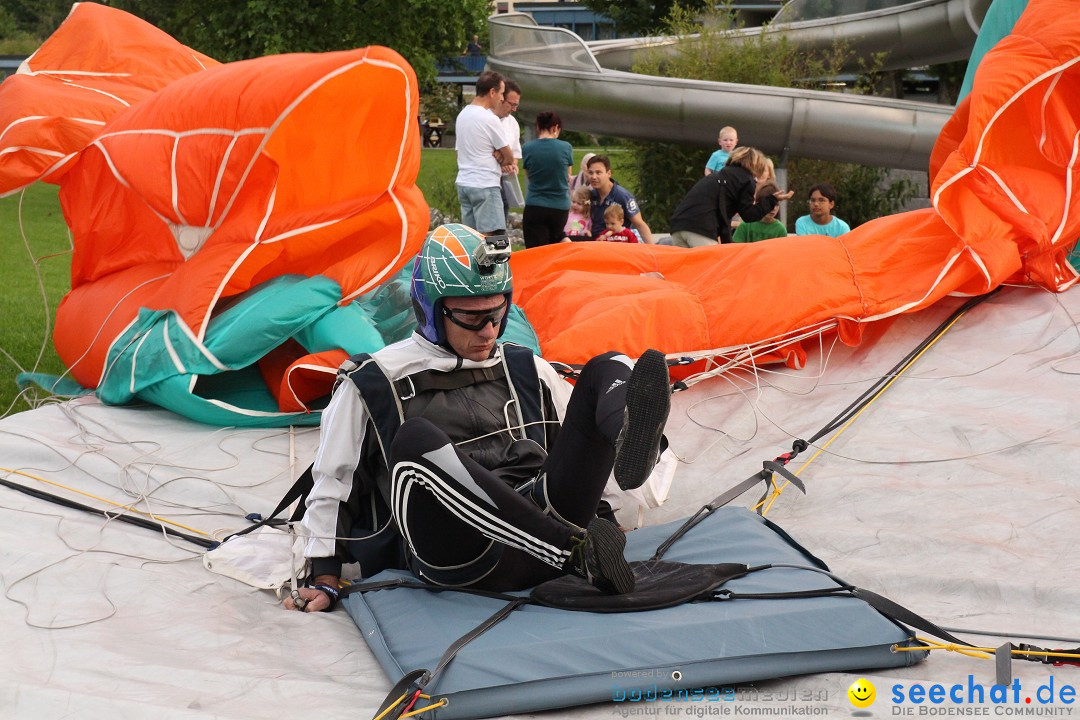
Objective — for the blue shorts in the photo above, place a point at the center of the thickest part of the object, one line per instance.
(482, 208)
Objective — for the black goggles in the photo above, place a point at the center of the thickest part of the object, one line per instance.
(479, 318)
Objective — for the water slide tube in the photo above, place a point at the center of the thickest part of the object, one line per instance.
(583, 82)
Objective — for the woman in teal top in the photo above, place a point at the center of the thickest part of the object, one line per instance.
(548, 162)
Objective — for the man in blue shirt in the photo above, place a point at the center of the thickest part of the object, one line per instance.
(607, 192)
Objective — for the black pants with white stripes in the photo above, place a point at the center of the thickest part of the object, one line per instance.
(463, 525)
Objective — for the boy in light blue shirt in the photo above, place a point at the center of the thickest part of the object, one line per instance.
(727, 140)
(821, 221)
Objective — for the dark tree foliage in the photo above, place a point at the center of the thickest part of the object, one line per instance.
(641, 17)
(423, 31)
(36, 18)
(667, 170)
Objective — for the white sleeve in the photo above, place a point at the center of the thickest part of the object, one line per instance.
(513, 135)
(559, 387)
(494, 130)
(341, 438)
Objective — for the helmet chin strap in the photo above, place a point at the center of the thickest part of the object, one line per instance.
(460, 358)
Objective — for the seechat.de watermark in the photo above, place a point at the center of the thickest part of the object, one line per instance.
(1051, 698)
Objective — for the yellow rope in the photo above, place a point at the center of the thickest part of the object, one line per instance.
(951, 647)
(426, 707)
(397, 702)
(777, 489)
(120, 506)
(411, 713)
(980, 652)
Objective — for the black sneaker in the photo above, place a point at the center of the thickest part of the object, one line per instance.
(598, 557)
(648, 402)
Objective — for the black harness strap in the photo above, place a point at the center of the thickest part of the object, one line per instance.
(839, 590)
(407, 690)
(298, 491)
(114, 515)
(768, 468)
(384, 411)
(899, 613)
(525, 384)
(415, 584)
(431, 380)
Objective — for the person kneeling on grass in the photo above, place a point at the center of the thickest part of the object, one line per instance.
(468, 461)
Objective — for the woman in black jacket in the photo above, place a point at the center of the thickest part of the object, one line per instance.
(704, 215)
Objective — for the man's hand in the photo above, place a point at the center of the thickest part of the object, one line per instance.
(509, 168)
(312, 599)
(503, 156)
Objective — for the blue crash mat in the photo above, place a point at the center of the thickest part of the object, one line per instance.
(541, 658)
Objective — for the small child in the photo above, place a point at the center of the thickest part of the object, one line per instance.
(767, 227)
(613, 221)
(821, 221)
(727, 140)
(579, 221)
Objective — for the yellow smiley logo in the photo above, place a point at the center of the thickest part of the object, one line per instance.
(862, 693)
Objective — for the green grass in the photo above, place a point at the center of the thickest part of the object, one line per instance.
(26, 325)
(438, 167)
(25, 321)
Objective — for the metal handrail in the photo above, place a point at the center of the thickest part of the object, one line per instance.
(516, 37)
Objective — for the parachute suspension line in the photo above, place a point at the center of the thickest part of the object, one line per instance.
(758, 373)
(839, 424)
(885, 381)
(40, 282)
(777, 466)
(36, 264)
(385, 714)
(520, 426)
(745, 355)
(118, 512)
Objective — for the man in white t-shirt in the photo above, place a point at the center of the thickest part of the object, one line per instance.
(482, 152)
(511, 187)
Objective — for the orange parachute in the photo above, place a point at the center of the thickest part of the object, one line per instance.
(98, 63)
(226, 217)
(1005, 209)
(258, 196)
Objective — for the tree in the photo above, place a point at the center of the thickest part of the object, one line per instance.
(863, 193)
(641, 17)
(36, 18)
(668, 170)
(423, 31)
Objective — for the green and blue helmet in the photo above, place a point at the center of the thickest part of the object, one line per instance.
(457, 261)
